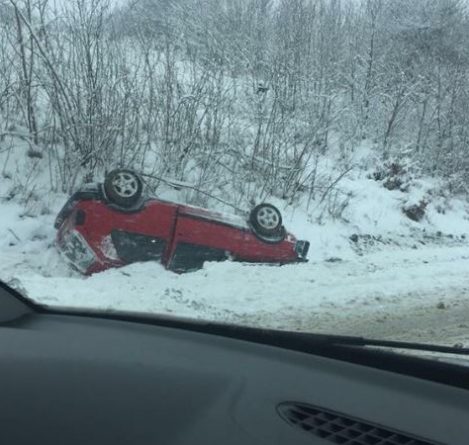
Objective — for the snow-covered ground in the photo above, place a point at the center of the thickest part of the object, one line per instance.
(372, 273)
(382, 290)
(395, 293)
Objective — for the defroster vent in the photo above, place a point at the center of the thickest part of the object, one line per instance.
(341, 429)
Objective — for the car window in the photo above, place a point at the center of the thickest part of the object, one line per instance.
(297, 165)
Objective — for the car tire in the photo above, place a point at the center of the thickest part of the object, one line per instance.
(266, 220)
(123, 187)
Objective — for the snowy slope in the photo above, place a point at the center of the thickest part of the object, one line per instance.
(373, 272)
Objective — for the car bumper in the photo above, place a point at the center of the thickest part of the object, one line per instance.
(302, 249)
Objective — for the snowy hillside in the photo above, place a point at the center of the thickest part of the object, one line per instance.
(372, 272)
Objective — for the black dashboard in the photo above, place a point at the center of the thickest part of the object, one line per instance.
(77, 379)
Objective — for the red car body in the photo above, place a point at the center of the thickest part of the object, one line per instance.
(95, 235)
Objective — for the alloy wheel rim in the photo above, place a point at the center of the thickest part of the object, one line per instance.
(267, 218)
(125, 185)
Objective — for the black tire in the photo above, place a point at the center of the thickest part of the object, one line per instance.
(272, 239)
(266, 220)
(123, 187)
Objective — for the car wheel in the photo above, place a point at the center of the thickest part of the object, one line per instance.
(123, 187)
(266, 220)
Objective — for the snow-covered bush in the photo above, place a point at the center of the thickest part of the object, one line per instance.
(240, 99)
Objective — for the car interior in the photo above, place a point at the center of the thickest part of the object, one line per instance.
(75, 377)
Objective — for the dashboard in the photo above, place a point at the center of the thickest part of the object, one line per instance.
(77, 379)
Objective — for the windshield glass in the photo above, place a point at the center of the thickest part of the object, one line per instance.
(289, 164)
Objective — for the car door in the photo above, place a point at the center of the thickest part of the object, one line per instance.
(202, 235)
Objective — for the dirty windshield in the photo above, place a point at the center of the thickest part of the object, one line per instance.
(288, 164)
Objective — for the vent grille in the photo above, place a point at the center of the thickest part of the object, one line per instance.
(341, 429)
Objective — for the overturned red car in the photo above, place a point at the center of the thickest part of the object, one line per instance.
(114, 223)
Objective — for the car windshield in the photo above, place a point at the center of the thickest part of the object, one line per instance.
(297, 165)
